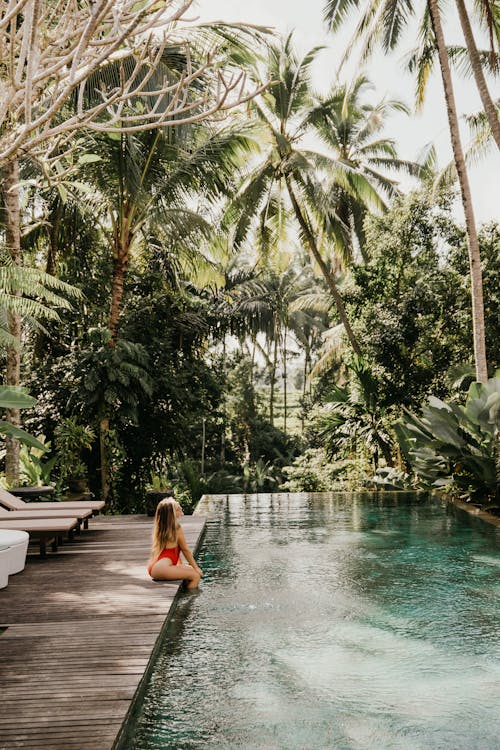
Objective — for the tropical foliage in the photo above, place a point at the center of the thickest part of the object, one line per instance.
(456, 446)
(245, 302)
(17, 398)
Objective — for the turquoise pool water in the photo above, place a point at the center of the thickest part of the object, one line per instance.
(332, 621)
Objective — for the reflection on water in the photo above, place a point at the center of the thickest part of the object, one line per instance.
(332, 621)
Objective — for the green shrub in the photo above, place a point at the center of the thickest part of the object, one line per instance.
(313, 471)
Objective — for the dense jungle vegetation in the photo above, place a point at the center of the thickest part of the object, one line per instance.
(250, 302)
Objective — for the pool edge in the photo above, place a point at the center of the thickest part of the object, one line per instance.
(472, 510)
(122, 736)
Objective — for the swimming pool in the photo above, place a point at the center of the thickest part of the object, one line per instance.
(351, 622)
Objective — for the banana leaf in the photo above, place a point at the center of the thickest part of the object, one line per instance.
(13, 397)
(6, 428)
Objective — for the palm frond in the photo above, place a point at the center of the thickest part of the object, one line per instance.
(312, 302)
(336, 12)
(477, 150)
(428, 160)
(249, 201)
(381, 147)
(178, 227)
(358, 185)
(211, 165)
(397, 14)
(27, 292)
(421, 62)
(34, 282)
(331, 350)
(411, 168)
(460, 58)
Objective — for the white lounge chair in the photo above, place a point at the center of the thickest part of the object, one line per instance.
(46, 530)
(11, 502)
(35, 515)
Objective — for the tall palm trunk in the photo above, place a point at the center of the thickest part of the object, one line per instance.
(472, 240)
(50, 267)
(10, 189)
(304, 224)
(124, 230)
(274, 365)
(271, 369)
(285, 376)
(488, 103)
(121, 259)
(252, 360)
(223, 406)
(305, 372)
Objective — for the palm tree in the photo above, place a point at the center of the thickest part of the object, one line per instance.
(490, 108)
(262, 306)
(309, 322)
(288, 183)
(351, 128)
(284, 183)
(385, 21)
(150, 186)
(25, 294)
(470, 223)
(277, 305)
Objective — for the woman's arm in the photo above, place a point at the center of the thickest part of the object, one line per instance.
(181, 541)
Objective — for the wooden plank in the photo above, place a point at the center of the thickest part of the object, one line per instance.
(80, 629)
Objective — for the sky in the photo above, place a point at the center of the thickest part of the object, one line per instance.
(304, 17)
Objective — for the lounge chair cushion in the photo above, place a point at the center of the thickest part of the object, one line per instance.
(10, 501)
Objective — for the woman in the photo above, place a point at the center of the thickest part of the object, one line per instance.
(168, 542)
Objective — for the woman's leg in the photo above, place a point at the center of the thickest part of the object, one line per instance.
(163, 570)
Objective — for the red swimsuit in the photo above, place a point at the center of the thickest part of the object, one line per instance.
(172, 553)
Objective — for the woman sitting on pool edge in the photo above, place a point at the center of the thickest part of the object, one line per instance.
(168, 542)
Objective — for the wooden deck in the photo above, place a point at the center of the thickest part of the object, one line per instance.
(80, 628)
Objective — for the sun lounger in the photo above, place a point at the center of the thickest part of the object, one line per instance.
(11, 502)
(46, 530)
(80, 514)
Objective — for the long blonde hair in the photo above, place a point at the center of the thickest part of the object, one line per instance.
(165, 526)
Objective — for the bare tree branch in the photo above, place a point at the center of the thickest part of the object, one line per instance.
(51, 51)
